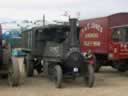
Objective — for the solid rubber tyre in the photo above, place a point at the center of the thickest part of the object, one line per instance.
(58, 76)
(90, 76)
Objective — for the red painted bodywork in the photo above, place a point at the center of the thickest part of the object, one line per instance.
(101, 40)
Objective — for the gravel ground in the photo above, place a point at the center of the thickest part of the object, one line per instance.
(108, 82)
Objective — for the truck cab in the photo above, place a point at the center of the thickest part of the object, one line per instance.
(119, 43)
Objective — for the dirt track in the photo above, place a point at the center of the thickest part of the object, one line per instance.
(108, 83)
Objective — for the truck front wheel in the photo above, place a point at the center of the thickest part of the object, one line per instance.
(89, 76)
(58, 76)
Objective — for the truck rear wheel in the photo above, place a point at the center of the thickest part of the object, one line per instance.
(90, 77)
(58, 76)
(29, 66)
(16, 74)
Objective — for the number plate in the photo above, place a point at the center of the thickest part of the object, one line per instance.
(75, 69)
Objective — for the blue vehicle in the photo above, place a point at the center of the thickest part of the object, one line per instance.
(12, 66)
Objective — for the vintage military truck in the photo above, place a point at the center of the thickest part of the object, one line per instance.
(56, 50)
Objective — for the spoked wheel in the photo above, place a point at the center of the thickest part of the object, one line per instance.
(58, 76)
(29, 66)
(90, 77)
(16, 74)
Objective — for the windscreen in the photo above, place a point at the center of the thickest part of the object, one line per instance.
(120, 34)
(56, 34)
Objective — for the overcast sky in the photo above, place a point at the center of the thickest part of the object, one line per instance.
(34, 9)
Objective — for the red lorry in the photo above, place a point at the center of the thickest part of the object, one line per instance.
(107, 38)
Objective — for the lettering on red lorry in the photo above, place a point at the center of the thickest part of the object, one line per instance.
(88, 26)
(91, 43)
(88, 33)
